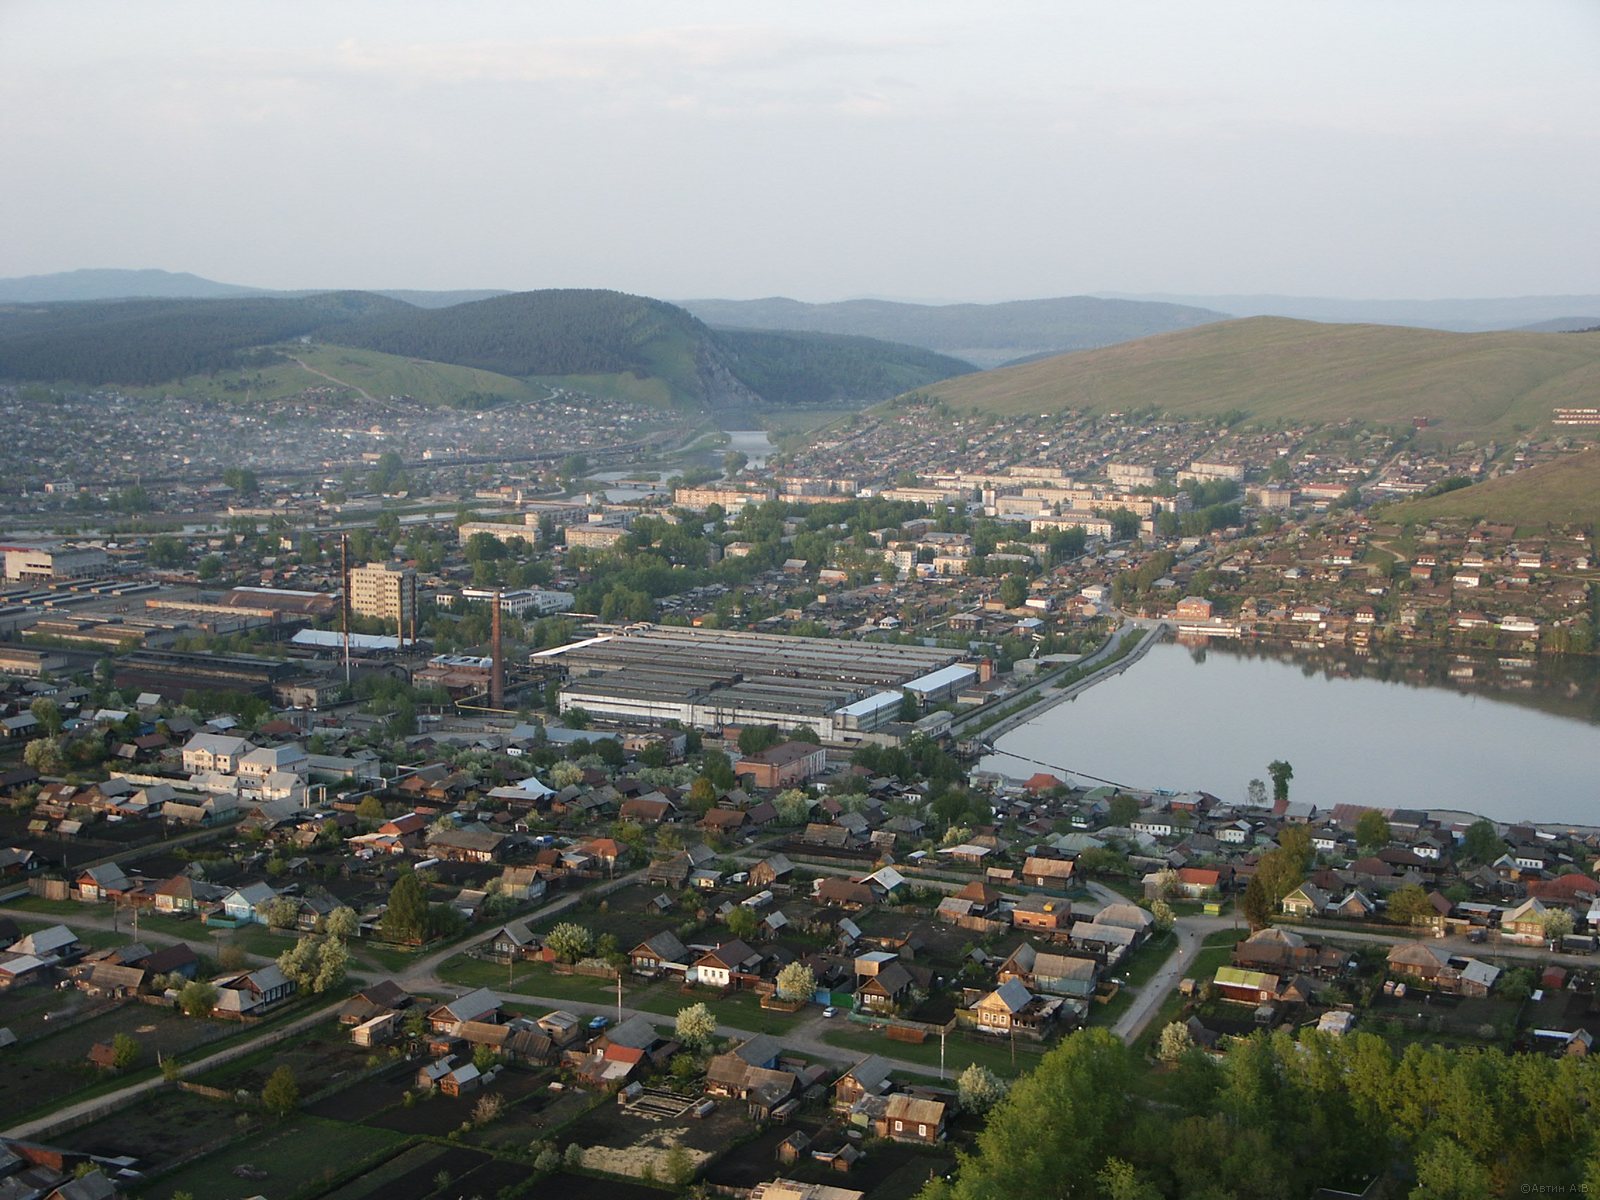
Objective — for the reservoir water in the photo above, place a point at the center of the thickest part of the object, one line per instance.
(754, 443)
(1187, 719)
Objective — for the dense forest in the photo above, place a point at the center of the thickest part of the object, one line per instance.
(549, 334)
(1281, 1117)
(141, 342)
(818, 368)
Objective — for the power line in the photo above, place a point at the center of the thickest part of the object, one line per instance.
(990, 748)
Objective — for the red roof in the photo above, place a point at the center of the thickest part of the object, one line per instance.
(624, 1054)
(1203, 876)
(1564, 888)
(1042, 781)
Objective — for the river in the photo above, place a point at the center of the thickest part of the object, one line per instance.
(1212, 719)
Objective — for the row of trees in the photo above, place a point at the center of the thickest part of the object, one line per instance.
(1281, 1117)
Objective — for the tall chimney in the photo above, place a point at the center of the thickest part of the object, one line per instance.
(344, 599)
(497, 674)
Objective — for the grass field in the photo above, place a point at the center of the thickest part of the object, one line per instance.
(1566, 491)
(1470, 384)
(959, 1051)
(380, 375)
(298, 1157)
(741, 1010)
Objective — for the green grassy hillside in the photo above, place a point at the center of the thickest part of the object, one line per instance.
(1469, 384)
(379, 375)
(1564, 492)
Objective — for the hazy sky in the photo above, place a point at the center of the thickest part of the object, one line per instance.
(973, 150)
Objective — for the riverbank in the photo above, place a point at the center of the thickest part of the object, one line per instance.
(1112, 658)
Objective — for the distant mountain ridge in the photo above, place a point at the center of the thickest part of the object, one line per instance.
(987, 335)
(601, 341)
(108, 283)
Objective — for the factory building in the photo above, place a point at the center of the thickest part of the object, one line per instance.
(708, 679)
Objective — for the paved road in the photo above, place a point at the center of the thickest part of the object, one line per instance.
(1192, 933)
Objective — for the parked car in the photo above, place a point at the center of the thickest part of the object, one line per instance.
(830, 1011)
(599, 1023)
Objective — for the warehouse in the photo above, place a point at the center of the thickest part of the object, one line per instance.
(710, 678)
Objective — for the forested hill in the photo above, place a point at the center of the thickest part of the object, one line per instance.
(985, 334)
(820, 368)
(599, 339)
(139, 342)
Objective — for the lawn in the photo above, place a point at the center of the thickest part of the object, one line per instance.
(294, 1158)
(1146, 962)
(742, 1010)
(530, 980)
(960, 1051)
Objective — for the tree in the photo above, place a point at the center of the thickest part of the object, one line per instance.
(1281, 773)
(1372, 830)
(315, 964)
(197, 998)
(569, 941)
(1257, 905)
(1409, 906)
(487, 1109)
(124, 1051)
(1482, 842)
(797, 982)
(1256, 793)
(753, 739)
(332, 963)
(1123, 809)
(1163, 914)
(1516, 984)
(679, 1167)
(702, 795)
(484, 1057)
(793, 806)
(742, 922)
(281, 1093)
(370, 809)
(43, 755)
(910, 710)
(1013, 591)
(282, 912)
(48, 713)
(343, 923)
(979, 1089)
(406, 918)
(1557, 924)
(1175, 1042)
(695, 1026)
(1448, 1171)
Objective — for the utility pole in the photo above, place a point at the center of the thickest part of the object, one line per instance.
(619, 995)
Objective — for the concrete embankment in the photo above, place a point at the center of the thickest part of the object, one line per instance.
(1051, 696)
